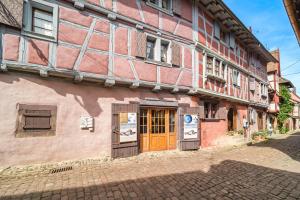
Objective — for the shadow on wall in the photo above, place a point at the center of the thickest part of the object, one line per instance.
(227, 180)
(7, 16)
(87, 95)
(286, 145)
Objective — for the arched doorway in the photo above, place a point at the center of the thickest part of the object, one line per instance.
(232, 119)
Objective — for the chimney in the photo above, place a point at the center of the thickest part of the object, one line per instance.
(250, 29)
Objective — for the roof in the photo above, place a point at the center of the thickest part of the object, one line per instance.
(286, 82)
(293, 10)
(220, 10)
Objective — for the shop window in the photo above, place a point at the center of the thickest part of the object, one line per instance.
(158, 50)
(236, 78)
(36, 120)
(210, 110)
(40, 19)
(165, 5)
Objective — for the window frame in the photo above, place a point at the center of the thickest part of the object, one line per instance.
(22, 132)
(236, 82)
(158, 50)
(210, 109)
(46, 6)
(222, 74)
(158, 6)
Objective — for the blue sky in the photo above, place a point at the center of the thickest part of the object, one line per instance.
(271, 26)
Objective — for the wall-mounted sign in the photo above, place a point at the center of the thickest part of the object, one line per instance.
(128, 127)
(86, 122)
(190, 130)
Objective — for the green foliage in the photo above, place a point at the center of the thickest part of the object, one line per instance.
(286, 107)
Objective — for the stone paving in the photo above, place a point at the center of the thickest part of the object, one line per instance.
(269, 170)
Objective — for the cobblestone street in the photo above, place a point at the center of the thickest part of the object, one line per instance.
(269, 170)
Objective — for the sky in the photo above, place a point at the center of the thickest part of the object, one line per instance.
(271, 25)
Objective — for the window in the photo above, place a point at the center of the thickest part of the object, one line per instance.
(263, 90)
(224, 37)
(161, 4)
(236, 78)
(36, 120)
(143, 121)
(164, 51)
(210, 110)
(158, 50)
(223, 68)
(150, 48)
(42, 22)
(215, 68)
(40, 19)
(209, 65)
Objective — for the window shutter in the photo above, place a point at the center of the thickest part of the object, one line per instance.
(222, 113)
(252, 84)
(176, 55)
(123, 149)
(141, 43)
(177, 7)
(232, 41)
(217, 30)
(201, 110)
(37, 119)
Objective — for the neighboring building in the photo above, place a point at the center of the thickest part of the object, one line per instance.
(274, 75)
(293, 10)
(78, 74)
(293, 122)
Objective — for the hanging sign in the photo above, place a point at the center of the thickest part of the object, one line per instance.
(190, 127)
(128, 127)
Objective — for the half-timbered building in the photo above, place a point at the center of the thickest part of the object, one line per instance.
(97, 78)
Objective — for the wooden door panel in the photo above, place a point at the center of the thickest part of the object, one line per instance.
(172, 141)
(158, 142)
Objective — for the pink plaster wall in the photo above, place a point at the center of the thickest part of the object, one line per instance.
(11, 47)
(129, 8)
(74, 16)
(122, 68)
(211, 131)
(73, 101)
(121, 40)
(94, 63)
(99, 42)
(102, 26)
(38, 52)
(165, 75)
(71, 34)
(66, 57)
(146, 72)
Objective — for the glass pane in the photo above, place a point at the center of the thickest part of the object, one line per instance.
(143, 122)
(172, 121)
(209, 65)
(150, 49)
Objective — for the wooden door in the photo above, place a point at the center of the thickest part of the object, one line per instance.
(172, 118)
(158, 132)
(158, 129)
(260, 121)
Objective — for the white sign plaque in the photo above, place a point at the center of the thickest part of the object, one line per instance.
(86, 122)
(190, 127)
(128, 127)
